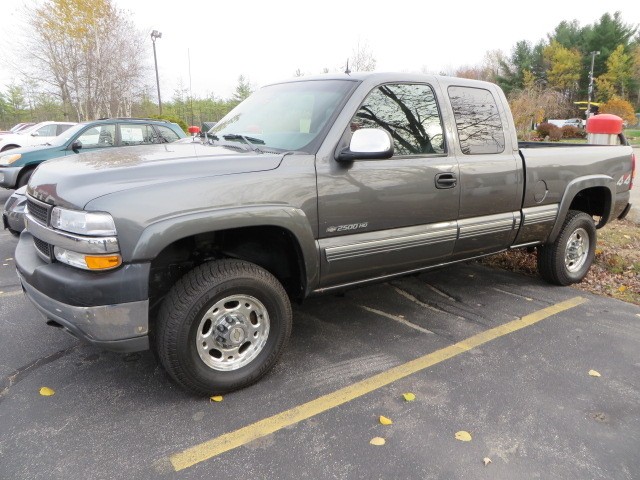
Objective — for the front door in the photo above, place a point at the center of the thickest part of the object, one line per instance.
(381, 217)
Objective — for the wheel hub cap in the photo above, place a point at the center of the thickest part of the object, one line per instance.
(577, 250)
(232, 332)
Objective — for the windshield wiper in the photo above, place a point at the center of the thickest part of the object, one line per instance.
(248, 140)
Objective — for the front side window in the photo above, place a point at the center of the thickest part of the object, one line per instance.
(409, 113)
(167, 134)
(477, 119)
(98, 137)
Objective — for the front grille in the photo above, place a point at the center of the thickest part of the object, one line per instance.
(38, 211)
(43, 247)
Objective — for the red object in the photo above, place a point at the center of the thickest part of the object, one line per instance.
(604, 123)
(194, 129)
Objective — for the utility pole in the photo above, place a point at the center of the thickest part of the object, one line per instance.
(593, 57)
(154, 36)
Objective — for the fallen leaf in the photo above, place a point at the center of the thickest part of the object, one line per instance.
(385, 421)
(486, 461)
(216, 398)
(628, 237)
(463, 436)
(377, 441)
(593, 373)
(409, 397)
(622, 288)
(46, 392)
(598, 251)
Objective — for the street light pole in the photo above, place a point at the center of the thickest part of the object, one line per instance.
(593, 57)
(154, 36)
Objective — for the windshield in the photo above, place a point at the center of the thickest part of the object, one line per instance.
(288, 116)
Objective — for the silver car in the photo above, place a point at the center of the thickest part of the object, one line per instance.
(13, 213)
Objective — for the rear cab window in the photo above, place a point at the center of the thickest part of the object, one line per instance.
(478, 121)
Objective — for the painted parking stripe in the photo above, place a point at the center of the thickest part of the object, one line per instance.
(262, 428)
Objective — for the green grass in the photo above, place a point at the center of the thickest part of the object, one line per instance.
(633, 135)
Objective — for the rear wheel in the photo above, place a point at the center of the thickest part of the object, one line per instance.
(222, 327)
(569, 258)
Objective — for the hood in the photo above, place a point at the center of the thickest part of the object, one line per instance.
(26, 151)
(75, 180)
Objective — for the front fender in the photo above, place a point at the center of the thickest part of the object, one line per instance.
(161, 234)
(576, 186)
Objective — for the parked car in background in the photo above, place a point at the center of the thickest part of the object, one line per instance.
(37, 134)
(17, 128)
(13, 213)
(574, 122)
(17, 165)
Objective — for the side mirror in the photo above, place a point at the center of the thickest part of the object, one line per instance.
(76, 146)
(368, 144)
(35, 134)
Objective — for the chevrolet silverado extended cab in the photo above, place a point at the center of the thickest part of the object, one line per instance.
(309, 186)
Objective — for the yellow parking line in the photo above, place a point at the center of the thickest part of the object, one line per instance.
(242, 436)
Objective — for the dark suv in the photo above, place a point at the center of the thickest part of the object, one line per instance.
(17, 165)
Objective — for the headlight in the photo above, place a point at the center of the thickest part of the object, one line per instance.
(9, 159)
(83, 223)
(87, 262)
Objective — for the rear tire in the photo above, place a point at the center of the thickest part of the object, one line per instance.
(569, 258)
(222, 327)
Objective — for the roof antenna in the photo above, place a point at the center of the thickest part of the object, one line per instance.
(346, 70)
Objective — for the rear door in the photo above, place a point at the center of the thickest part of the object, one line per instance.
(490, 172)
(380, 217)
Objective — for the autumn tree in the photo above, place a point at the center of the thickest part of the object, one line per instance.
(635, 59)
(620, 107)
(533, 103)
(563, 67)
(89, 53)
(619, 71)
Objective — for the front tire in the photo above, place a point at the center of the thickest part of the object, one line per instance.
(569, 258)
(222, 327)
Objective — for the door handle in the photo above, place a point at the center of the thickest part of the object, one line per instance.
(446, 180)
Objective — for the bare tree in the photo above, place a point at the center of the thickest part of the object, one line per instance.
(89, 53)
(362, 59)
(533, 104)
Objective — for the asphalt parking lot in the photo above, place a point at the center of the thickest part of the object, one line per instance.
(501, 356)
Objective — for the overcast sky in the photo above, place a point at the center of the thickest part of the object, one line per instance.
(269, 40)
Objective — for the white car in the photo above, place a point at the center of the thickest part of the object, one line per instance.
(38, 134)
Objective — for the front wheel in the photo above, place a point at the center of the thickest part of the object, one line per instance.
(568, 259)
(222, 327)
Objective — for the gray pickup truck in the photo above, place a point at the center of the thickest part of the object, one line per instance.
(315, 185)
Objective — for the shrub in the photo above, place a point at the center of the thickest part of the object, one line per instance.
(555, 134)
(546, 129)
(171, 118)
(569, 131)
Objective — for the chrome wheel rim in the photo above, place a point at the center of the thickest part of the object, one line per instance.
(577, 250)
(232, 332)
